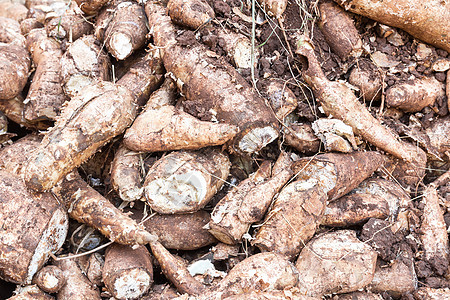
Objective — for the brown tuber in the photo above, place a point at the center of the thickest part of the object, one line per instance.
(190, 13)
(83, 127)
(71, 25)
(416, 95)
(127, 273)
(340, 102)
(45, 96)
(168, 128)
(126, 174)
(184, 182)
(77, 285)
(88, 206)
(14, 59)
(50, 279)
(425, 20)
(34, 226)
(181, 231)
(335, 262)
(214, 90)
(434, 235)
(225, 224)
(82, 64)
(367, 78)
(122, 27)
(339, 30)
(259, 272)
(176, 271)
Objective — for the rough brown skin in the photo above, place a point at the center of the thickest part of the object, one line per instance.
(127, 273)
(337, 173)
(126, 28)
(288, 294)
(238, 47)
(429, 293)
(89, 207)
(292, 220)
(301, 137)
(281, 98)
(214, 90)
(168, 128)
(144, 76)
(50, 279)
(83, 127)
(34, 226)
(71, 25)
(408, 173)
(29, 24)
(162, 127)
(77, 286)
(10, 32)
(167, 94)
(396, 279)
(339, 30)
(176, 271)
(45, 96)
(225, 224)
(92, 266)
(83, 63)
(14, 157)
(190, 13)
(434, 235)
(181, 231)
(416, 95)
(335, 262)
(126, 174)
(427, 21)
(340, 102)
(185, 181)
(439, 134)
(257, 201)
(30, 292)
(14, 59)
(366, 76)
(354, 209)
(13, 109)
(13, 10)
(260, 272)
(91, 7)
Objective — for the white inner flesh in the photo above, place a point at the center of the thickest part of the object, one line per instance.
(177, 193)
(50, 281)
(121, 44)
(257, 139)
(51, 240)
(321, 172)
(243, 55)
(132, 284)
(76, 83)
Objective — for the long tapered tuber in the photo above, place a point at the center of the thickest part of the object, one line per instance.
(425, 20)
(214, 90)
(88, 206)
(83, 127)
(340, 102)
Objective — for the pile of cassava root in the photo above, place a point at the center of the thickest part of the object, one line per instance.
(233, 149)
